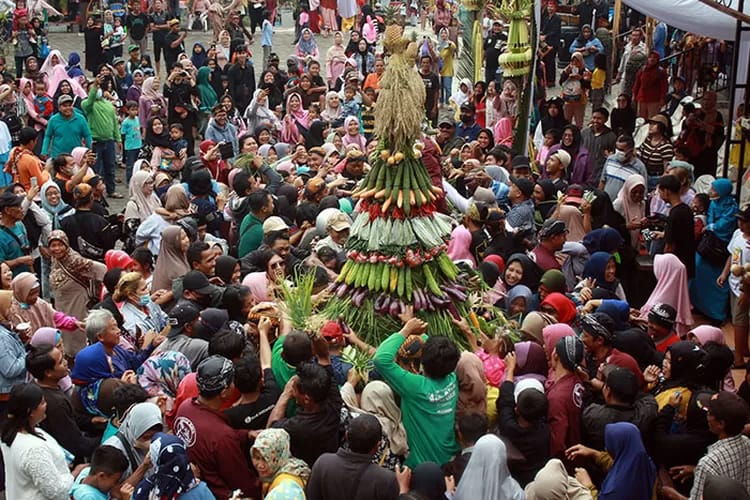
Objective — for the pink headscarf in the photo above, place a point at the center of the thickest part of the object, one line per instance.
(57, 76)
(51, 336)
(629, 210)
(290, 132)
(258, 285)
(459, 245)
(358, 140)
(708, 333)
(671, 288)
(29, 100)
(503, 132)
(552, 335)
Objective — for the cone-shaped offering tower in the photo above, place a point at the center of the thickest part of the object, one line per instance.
(396, 248)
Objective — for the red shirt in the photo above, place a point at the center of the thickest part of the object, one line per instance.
(663, 345)
(220, 451)
(545, 259)
(188, 389)
(564, 397)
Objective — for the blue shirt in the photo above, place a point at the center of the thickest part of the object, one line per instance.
(588, 58)
(468, 132)
(11, 249)
(64, 134)
(266, 34)
(80, 491)
(131, 130)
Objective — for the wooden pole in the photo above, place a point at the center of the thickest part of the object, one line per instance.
(615, 33)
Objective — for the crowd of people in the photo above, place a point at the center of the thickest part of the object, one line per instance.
(149, 352)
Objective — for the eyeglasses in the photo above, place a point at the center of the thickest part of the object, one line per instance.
(277, 265)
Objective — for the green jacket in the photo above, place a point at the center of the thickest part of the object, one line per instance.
(102, 117)
(428, 406)
(251, 235)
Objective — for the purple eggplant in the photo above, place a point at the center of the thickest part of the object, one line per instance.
(454, 311)
(357, 298)
(428, 300)
(440, 302)
(341, 291)
(422, 299)
(416, 300)
(378, 306)
(455, 293)
(394, 309)
(386, 304)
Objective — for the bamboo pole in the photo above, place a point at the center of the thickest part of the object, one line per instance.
(615, 34)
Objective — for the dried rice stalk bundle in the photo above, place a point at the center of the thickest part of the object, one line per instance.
(400, 109)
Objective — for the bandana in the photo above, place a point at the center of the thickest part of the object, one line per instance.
(598, 325)
(215, 373)
(570, 351)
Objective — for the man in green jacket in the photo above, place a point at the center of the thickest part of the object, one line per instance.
(65, 130)
(260, 204)
(428, 402)
(105, 130)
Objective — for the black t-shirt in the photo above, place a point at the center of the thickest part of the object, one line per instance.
(137, 25)
(159, 19)
(253, 416)
(432, 88)
(171, 53)
(680, 234)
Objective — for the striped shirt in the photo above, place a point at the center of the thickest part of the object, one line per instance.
(615, 173)
(655, 157)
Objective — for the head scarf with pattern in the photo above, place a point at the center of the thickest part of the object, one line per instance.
(161, 373)
(173, 476)
(273, 446)
(71, 261)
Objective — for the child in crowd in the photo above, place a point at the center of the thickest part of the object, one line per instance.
(177, 139)
(334, 335)
(42, 101)
(131, 132)
(598, 81)
(266, 37)
(313, 112)
(368, 113)
(551, 137)
(700, 213)
(98, 481)
(350, 104)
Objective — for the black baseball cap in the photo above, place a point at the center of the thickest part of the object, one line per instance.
(526, 186)
(196, 281)
(9, 199)
(209, 322)
(183, 313)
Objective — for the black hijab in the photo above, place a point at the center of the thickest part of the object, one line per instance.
(160, 140)
(315, 137)
(531, 272)
(547, 206)
(225, 265)
(558, 122)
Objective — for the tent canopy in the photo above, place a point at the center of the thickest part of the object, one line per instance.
(692, 16)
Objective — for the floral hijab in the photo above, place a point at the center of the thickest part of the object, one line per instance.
(161, 373)
(273, 446)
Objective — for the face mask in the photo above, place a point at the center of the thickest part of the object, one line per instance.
(466, 118)
(620, 155)
(204, 300)
(145, 299)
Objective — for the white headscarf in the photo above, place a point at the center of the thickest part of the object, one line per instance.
(487, 474)
(553, 483)
(459, 97)
(142, 206)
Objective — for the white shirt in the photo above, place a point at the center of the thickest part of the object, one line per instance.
(35, 469)
(736, 249)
